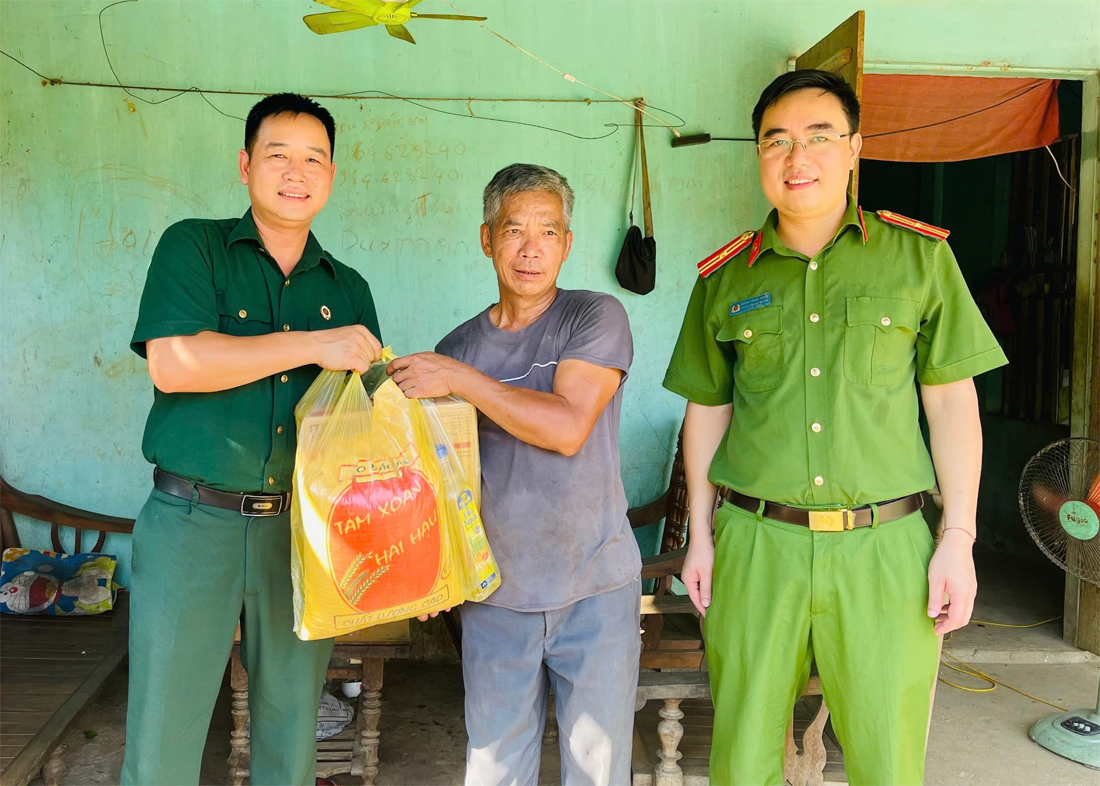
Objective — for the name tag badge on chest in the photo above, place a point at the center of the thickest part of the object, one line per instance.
(326, 312)
(741, 306)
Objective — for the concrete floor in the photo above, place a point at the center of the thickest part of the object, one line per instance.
(981, 738)
(1016, 592)
(977, 739)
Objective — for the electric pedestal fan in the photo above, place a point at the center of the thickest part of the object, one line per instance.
(1060, 504)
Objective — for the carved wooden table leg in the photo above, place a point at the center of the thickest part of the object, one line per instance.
(670, 731)
(238, 739)
(51, 771)
(550, 730)
(806, 768)
(364, 757)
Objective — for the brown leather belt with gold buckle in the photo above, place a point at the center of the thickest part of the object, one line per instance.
(832, 520)
(245, 504)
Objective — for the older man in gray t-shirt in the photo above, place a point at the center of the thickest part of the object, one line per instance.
(545, 367)
(557, 522)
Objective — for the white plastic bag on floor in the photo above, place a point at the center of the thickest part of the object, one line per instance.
(333, 716)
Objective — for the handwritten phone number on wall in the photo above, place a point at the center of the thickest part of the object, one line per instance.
(415, 176)
(401, 151)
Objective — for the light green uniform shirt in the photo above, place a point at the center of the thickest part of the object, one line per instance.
(820, 358)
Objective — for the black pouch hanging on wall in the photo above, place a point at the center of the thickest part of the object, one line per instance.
(636, 269)
(637, 265)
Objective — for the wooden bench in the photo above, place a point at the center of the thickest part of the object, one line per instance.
(52, 668)
(673, 672)
(355, 656)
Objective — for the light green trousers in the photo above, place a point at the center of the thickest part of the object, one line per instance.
(855, 602)
(195, 568)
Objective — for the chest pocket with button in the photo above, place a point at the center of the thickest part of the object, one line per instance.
(757, 338)
(880, 340)
(243, 315)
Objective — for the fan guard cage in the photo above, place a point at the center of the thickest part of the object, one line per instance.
(1068, 469)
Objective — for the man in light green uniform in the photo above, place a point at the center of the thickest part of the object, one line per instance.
(800, 355)
(236, 318)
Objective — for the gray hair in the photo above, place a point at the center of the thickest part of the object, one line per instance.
(518, 178)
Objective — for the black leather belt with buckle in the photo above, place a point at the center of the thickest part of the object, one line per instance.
(832, 520)
(245, 504)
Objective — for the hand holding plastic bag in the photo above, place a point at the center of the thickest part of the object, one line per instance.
(384, 525)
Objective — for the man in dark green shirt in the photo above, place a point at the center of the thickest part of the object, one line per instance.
(237, 318)
(801, 353)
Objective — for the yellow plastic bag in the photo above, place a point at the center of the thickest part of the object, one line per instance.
(480, 575)
(384, 524)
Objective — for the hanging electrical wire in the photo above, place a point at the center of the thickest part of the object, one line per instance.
(567, 77)
(362, 94)
(103, 42)
(699, 139)
(1021, 94)
(1058, 169)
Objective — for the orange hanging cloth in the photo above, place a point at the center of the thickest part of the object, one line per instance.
(932, 119)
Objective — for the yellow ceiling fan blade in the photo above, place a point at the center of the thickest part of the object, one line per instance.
(364, 7)
(400, 31)
(410, 3)
(451, 16)
(337, 22)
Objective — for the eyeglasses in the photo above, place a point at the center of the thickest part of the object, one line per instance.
(816, 145)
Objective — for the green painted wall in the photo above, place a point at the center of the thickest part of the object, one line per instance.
(91, 177)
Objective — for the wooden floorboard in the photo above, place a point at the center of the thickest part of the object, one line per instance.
(20, 702)
(33, 686)
(50, 670)
(13, 743)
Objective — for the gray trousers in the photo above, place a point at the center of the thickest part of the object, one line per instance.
(588, 652)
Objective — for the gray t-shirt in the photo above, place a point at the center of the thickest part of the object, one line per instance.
(557, 524)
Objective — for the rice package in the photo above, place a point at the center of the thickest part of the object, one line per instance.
(385, 524)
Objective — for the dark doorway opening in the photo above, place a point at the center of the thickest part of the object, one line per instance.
(1013, 223)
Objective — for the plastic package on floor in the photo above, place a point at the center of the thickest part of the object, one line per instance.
(385, 523)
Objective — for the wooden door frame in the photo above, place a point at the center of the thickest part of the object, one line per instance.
(1081, 622)
(841, 53)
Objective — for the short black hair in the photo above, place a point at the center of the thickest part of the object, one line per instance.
(808, 79)
(286, 103)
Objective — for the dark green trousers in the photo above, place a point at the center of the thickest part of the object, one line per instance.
(195, 569)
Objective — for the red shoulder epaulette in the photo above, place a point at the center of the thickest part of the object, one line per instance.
(913, 225)
(725, 254)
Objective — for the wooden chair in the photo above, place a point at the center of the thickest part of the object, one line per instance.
(671, 638)
(52, 668)
(355, 656)
(674, 672)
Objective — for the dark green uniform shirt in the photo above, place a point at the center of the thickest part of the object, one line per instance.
(216, 275)
(820, 357)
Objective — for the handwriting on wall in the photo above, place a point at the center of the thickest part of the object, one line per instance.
(400, 183)
(391, 172)
(418, 246)
(429, 203)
